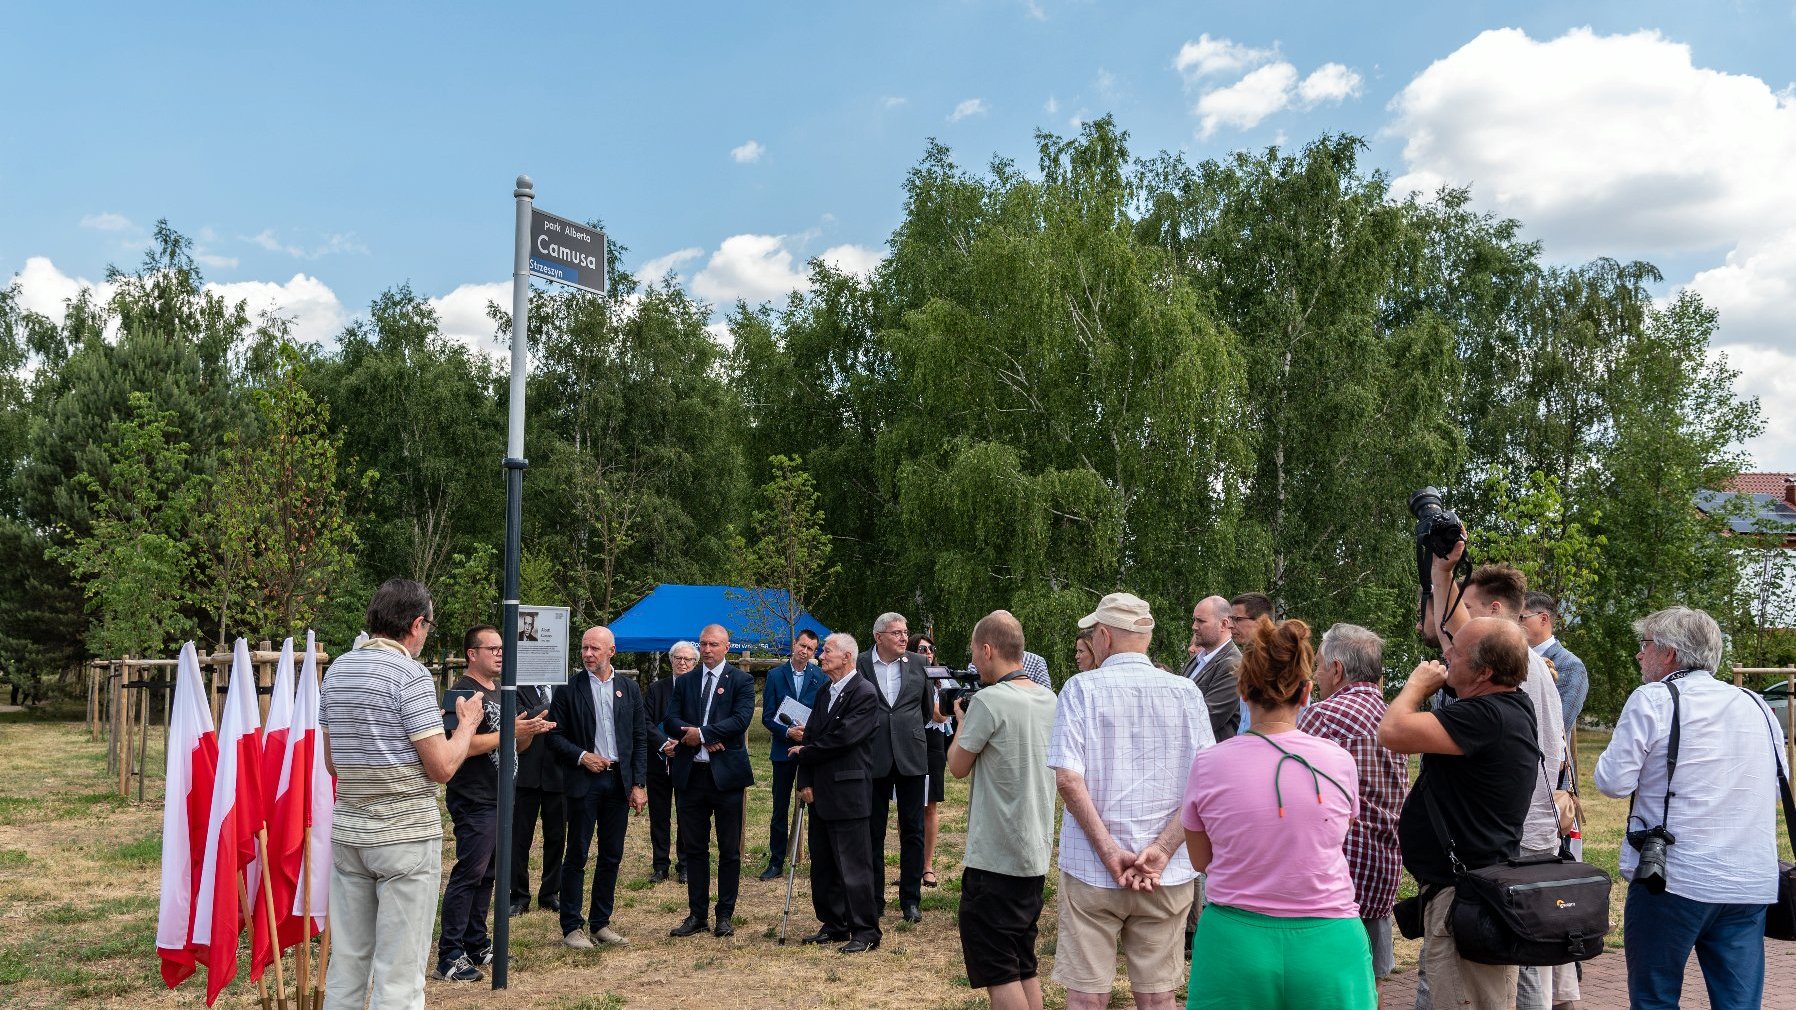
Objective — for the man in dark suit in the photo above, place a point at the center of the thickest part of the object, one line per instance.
(708, 718)
(832, 779)
(800, 679)
(539, 794)
(1214, 664)
(900, 754)
(682, 658)
(601, 740)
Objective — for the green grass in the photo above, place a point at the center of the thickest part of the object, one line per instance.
(143, 852)
(609, 1001)
(10, 858)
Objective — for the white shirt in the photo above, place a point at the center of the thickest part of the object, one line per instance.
(604, 735)
(889, 675)
(1724, 813)
(709, 680)
(1132, 732)
(1204, 660)
(1540, 831)
(1541, 649)
(839, 688)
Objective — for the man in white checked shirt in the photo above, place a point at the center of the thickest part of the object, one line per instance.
(1125, 735)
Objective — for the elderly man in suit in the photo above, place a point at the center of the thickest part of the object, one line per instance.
(1212, 667)
(683, 657)
(708, 719)
(832, 779)
(800, 679)
(900, 757)
(601, 740)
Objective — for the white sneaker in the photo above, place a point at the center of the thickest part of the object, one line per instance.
(577, 940)
(608, 935)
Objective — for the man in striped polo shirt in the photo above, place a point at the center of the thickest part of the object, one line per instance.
(385, 744)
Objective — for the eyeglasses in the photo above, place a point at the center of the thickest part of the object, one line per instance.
(926, 647)
(487, 648)
(1647, 643)
(897, 632)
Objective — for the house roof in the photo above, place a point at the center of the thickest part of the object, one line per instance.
(1761, 483)
(1750, 513)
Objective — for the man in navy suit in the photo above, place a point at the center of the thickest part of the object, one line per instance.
(900, 754)
(601, 741)
(708, 719)
(683, 658)
(833, 781)
(799, 679)
(1539, 614)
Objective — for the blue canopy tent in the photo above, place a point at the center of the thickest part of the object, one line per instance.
(670, 613)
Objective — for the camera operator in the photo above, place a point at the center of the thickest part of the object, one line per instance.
(1003, 738)
(1478, 756)
(1701, 857)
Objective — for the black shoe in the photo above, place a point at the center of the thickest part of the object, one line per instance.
(681, 874)
(688, 926)
(552, 904)
(725, 928)
(825, 936)
(658, 876)
(912, 913)
(772, 872)
(858, 946)
(520, 907)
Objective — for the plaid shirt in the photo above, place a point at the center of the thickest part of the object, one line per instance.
(1350, 717)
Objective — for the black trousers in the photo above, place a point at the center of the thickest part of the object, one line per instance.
(470, 892)
(844, 878)
(910, 831)
(532, 804)
(701, 804)
(661, 798)
(785, 773)
(606, 808)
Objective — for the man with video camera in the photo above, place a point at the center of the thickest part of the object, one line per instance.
(1699, 757)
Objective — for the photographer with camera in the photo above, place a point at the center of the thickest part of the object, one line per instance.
(1003, 744)
(1701, 852)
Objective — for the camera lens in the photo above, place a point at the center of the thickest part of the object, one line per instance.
(1425, 502)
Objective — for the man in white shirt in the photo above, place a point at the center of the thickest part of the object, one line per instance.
(1721, 871)
(1125, 735)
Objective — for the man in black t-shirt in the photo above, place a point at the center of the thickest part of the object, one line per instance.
(473, 800)
(1479, 762)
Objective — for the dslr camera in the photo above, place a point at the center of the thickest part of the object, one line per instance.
(1651, 843)
(1437, 529)
(952, 686)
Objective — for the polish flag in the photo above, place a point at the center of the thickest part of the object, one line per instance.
(300, 779)
(274, 753)
(231, 828)
(186, 804)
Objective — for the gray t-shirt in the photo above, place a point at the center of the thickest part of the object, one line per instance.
(1010, 817)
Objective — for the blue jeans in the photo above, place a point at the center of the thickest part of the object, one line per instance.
(1661, 929)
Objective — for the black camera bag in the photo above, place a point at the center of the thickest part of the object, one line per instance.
(1540, 911)
(1780, 916)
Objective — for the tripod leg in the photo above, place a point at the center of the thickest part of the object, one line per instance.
(796, 834)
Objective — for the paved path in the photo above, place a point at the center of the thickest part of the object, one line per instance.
(1605, 982)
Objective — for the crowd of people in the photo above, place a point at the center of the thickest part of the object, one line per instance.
(1250, 814)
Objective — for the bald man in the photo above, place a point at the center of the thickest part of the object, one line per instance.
(708, 719)
(601, 741)
(1212, 667)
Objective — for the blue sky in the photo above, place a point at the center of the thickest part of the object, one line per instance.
(323, 152)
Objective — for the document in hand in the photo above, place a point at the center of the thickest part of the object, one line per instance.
(791, 713)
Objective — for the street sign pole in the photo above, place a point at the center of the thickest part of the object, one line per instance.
(515, 465)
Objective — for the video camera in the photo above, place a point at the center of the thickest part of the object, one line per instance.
(952, 685)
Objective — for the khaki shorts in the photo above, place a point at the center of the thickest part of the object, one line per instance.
(1151, 927)
(1452, 980)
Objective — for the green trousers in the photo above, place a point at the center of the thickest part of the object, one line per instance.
(1245, 959)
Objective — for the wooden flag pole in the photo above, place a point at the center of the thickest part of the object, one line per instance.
(280, 983)
(249, 917)
(324, 960)
(303, 989)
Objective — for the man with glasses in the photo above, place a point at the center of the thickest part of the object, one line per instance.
(473, 800)
(1573, 680)
(900, 758)
(798, 679)
(682, 658)
(708, 719)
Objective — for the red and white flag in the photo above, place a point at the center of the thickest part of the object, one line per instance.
(299, 781)
(231, 828)
(274, 754)
(186, 805)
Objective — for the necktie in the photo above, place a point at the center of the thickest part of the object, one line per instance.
(703, 755)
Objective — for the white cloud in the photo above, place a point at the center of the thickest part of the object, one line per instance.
(1603, 144)
(853, 259)
(1208, 56)
(657, 268)
(1051, 106)
(1331, 82)
(462, 316)
(755, 268)
(107, 222)
(314, 311)
(333, 243)
(1248, 101)
(1755, 291)
(215, 261)
(747, 154)
(969, 107)
(45, 290)
(1768, 373)
(893, 102)
(1105, 84)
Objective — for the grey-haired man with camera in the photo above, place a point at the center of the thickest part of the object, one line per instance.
(1701, 850)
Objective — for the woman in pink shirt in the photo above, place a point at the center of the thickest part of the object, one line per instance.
(1265, 815)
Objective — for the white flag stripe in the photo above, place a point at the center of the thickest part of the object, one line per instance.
(238, 718)
(189, 720)
(305, 726)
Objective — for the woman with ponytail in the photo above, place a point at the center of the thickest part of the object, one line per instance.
(1265, 814)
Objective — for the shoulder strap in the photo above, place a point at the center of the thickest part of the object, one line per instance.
(1671, 756)
(1440, 832)
(1783, 781)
